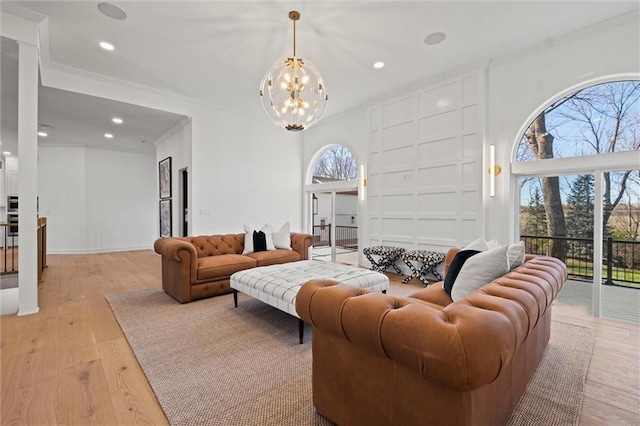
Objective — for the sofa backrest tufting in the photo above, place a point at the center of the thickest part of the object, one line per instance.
(214, 245)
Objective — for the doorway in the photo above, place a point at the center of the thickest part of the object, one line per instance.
(183, 213)
(334, 223)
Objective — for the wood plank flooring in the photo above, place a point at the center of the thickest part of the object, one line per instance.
(71, 364)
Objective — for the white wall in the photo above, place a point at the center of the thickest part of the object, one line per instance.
(62, 192)
(245, 171)
(97, 200)
(425, 166)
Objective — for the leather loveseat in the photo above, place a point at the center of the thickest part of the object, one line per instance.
(424, 359)
(198, 267)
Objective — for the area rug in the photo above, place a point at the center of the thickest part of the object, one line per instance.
(211, 364)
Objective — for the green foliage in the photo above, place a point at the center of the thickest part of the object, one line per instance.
(536, 220)
(580, 207)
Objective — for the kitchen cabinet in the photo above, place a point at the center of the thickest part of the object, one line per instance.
(12, 182)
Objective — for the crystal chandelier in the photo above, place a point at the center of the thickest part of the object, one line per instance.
(293, 92)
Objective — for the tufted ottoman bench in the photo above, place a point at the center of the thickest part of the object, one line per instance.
(278, 285)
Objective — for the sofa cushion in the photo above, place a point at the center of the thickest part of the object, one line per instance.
(275, 257)
(479, 270)
(282, 237)
(515, 252)
(259, 241)
(454, 269)
(248, 238)
(223, 265)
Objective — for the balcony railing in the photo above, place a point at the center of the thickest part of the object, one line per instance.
(346, 236)
(621, 259)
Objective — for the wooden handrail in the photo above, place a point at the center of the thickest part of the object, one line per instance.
(10, 236)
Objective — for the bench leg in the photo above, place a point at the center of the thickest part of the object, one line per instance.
(301, 330)
(235, 298)
(414, 272)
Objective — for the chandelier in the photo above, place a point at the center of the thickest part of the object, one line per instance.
(293, 92)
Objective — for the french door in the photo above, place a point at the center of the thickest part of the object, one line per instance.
(590, 221)
(334, 225)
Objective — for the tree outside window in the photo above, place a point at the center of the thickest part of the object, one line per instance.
(604, 118)
(336, 163)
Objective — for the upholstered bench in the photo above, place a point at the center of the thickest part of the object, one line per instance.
(429, 259)
(278, 285)
(387, 257)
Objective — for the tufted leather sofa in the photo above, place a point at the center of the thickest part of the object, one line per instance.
(198, 267)
(424, 359)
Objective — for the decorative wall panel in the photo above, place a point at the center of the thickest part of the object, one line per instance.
(425, 166)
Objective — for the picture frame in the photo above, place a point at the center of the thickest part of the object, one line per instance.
(165, 218)
(164, 178)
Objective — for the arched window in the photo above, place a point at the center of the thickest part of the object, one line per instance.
(336, 163)
(595, 120)
(576, 165)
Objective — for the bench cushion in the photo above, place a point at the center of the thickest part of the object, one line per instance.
(278, 285)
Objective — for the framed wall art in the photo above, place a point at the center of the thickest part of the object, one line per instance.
(165, 218)
(164, 173)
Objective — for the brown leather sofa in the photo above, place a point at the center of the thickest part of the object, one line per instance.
(198, 267)
(424, 359)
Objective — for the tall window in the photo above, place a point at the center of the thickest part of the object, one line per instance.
(599, 119)
(335, 163)
(558, 207)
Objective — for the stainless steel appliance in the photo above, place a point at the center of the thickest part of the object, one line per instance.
(12, 215)
(12, 219)
(12, 203)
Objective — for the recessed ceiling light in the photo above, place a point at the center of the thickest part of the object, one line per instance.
(106, 46)
(378, 64)
(112, 11)
(108, 135)
(44, 126)
(117, 120)
(434, 38)
(43, 134)
(6, 153)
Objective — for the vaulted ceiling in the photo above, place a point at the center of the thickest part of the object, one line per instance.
(218, 51)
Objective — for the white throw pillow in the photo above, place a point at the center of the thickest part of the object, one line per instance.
(282, 237)
(479, 270)
(479, 244)
(515, 252)
(248, 238)
(492, 244)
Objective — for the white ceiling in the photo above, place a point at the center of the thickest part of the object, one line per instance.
(218, 52)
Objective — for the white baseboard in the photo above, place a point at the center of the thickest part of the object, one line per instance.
(98, 250)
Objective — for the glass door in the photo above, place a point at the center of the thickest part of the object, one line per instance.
(556, 219)
(590, 221)
(335, 226)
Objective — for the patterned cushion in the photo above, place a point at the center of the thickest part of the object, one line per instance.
(427, 257)
(278, 285)
(383, 251)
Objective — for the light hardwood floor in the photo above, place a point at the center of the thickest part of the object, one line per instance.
(71, 364)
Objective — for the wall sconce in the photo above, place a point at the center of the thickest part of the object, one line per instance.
(363, 183)
(493, 170)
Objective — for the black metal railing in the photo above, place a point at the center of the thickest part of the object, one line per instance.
(621, 259)
(346, 236)
(9, 264)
